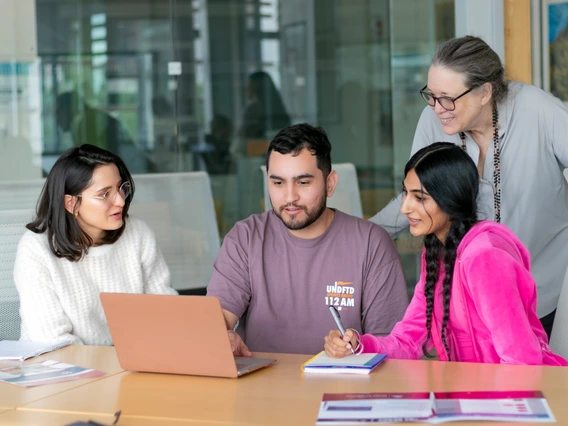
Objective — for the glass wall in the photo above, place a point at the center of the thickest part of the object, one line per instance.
(184, 85)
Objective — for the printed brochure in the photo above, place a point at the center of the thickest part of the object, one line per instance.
(45, 372)
(434, 407)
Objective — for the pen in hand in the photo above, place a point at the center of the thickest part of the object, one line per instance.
(337, 320)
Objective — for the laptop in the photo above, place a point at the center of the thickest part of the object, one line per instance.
(174, 334)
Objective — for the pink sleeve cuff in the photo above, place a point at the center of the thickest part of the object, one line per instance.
(370, 343)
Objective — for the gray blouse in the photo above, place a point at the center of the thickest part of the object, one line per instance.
(533, 138)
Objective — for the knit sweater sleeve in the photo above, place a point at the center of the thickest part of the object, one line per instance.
(41, 312)
(156, 274)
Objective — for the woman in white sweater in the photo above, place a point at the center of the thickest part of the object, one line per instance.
(83, 243)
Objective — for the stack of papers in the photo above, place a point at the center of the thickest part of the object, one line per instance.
(434, 407)
(18, 350)
(356, 364)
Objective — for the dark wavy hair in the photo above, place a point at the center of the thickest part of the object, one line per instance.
(71, 175)
(293, 139)
(449, 175)
(476, 61)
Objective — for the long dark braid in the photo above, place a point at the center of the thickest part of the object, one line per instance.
(435, 253)
(458, 229)
(433, 247)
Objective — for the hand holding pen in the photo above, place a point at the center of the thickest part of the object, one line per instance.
(337, 319)
(336, 346)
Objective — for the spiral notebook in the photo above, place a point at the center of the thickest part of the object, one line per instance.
(17, 350)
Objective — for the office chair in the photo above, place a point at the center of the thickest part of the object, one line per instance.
(179, 208)
(12, 227)
(21, 194)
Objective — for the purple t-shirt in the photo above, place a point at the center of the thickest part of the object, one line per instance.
(280, 285)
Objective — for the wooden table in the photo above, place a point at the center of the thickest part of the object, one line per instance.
(48, 418)
(99, 358)
(282, 395)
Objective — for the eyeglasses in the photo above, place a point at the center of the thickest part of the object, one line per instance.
(109, 197)
(445, 102)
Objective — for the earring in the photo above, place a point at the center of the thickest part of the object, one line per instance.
(76, 214)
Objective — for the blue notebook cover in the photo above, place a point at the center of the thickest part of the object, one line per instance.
(357, 364)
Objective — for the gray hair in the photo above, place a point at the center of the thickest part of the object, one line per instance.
(476, 61)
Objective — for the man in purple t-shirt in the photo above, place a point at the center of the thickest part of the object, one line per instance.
(280, 270)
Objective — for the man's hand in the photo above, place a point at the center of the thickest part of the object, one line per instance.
(237, 345)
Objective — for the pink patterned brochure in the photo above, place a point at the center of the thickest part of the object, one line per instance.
(434, 407)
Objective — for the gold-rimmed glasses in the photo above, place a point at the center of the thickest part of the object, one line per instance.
(109, 196)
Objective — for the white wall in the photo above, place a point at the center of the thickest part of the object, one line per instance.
(482, 18)
(18, 30)
(20, 97)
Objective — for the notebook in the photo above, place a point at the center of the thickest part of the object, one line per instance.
(173, 334)
(18, 350)
(352, 364)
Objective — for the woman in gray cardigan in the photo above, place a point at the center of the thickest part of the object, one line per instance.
(517, 135)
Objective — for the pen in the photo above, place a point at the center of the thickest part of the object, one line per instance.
(337, 320)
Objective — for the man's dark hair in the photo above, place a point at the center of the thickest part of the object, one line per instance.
(70, 175)
(293, 139)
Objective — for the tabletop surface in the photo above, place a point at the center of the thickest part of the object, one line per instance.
(50, 418)
(96, 357)
(282, 394)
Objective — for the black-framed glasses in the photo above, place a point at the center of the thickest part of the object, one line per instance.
(110, 196)
(445, 102)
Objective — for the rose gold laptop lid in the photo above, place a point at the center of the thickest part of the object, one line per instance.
(173, 334)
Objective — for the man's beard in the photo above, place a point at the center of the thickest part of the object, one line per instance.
(311, 215)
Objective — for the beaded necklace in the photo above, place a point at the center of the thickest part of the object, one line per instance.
(496, 164)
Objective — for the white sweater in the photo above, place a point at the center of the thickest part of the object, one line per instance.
(59, 299)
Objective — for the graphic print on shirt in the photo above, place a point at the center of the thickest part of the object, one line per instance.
(340, 294)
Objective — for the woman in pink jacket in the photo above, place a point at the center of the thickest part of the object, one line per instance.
(476, 299)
